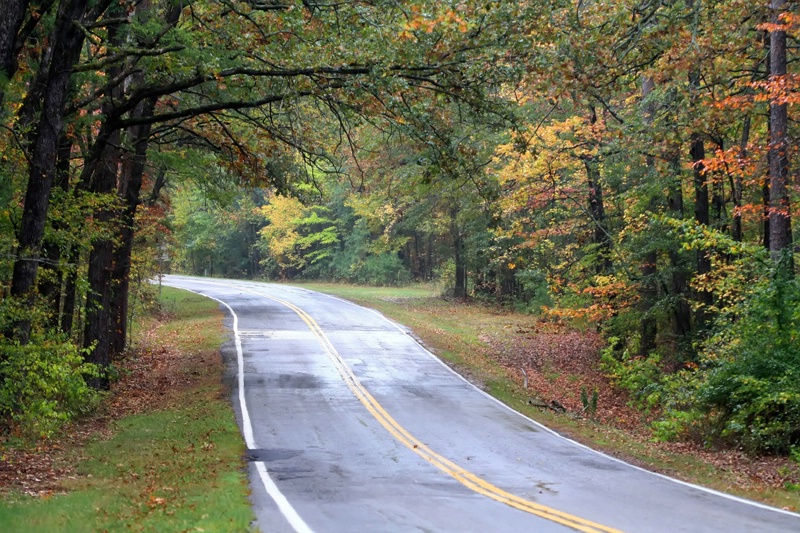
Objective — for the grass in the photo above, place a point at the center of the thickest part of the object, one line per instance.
(452, 330)
(175, 466)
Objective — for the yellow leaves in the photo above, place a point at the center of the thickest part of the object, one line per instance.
(280, 234)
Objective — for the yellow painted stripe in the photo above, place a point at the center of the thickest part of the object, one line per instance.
(468, 479)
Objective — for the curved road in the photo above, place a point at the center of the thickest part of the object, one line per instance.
(352, 426)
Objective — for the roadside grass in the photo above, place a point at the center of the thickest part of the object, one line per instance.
(176, 464)
(455, 331)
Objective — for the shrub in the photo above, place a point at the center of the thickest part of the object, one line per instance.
(747, 386)
(43, 385)
(639, 375)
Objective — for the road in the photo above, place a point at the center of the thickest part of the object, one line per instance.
(352, 426)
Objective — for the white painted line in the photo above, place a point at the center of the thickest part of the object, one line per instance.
(286, 509)
(407, 331)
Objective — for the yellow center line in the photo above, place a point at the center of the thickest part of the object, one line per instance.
(466, 478)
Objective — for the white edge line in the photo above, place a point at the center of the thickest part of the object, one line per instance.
(286, 509)
(407, 332)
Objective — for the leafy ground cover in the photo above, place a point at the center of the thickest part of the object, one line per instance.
(551, 372)
(163, 454)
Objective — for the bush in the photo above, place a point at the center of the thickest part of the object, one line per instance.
(639, 375)
(747, 386)
(382, 269)
(43, 385)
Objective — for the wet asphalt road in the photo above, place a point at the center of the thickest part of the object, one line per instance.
(352, 426)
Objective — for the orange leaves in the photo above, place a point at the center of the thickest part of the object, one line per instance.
(607, 296)
(789, 22)
(778, 90)
(428, 23)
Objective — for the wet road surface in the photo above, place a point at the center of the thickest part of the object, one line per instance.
(352, 426)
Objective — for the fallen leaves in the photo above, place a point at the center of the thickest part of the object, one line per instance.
(557, 363)
(151, 377)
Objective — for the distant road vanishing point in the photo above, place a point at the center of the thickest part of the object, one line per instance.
(352, 426)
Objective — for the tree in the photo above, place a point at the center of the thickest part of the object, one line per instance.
(780, 225)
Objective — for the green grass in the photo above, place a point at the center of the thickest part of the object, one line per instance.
(452, 330)
(179, 468)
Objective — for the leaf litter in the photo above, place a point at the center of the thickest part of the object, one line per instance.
(151, 376)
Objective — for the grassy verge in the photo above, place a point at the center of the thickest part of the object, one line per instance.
(174, 463)
(456, 332)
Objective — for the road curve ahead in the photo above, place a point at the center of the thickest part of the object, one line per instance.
(352, 426)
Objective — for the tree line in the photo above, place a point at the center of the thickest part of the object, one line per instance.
(623, 165)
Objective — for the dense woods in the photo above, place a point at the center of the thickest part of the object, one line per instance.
(625, 166)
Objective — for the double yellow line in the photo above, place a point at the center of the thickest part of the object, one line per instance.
(466, 478)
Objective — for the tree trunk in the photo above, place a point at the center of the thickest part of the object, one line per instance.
(128, 190)
(70, 292)
(97, 330)
(682, 311)
(648, 267)
(459, 256)
(460, 289)
(50, 287)
(13, 14)
(780, 239)
(702, 213)
(736, 183)
(701, 206)
(67, 40)
(597, 211)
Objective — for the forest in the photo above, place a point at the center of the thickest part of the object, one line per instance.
(624, 166)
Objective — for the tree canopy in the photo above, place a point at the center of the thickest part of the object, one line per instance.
(628, 165)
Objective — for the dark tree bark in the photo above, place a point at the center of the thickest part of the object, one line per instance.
(460, 289)
(737, 187)
(67, 40)
(13, 14)
(702, 217)
(459, 255)
(97, 330)
(681, 310)
(780, 226)
(130, 184)
(129, 187)
(50, 287)
(99, 327)
(597, 210)
(70, 293)
(701, 204)
(702, 214)
(158, 185)
(765, 226)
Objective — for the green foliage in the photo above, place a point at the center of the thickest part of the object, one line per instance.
(589, 402)
(43, 385)
(747, 387)
(639, 375)
(382, 269)
(535, 290)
